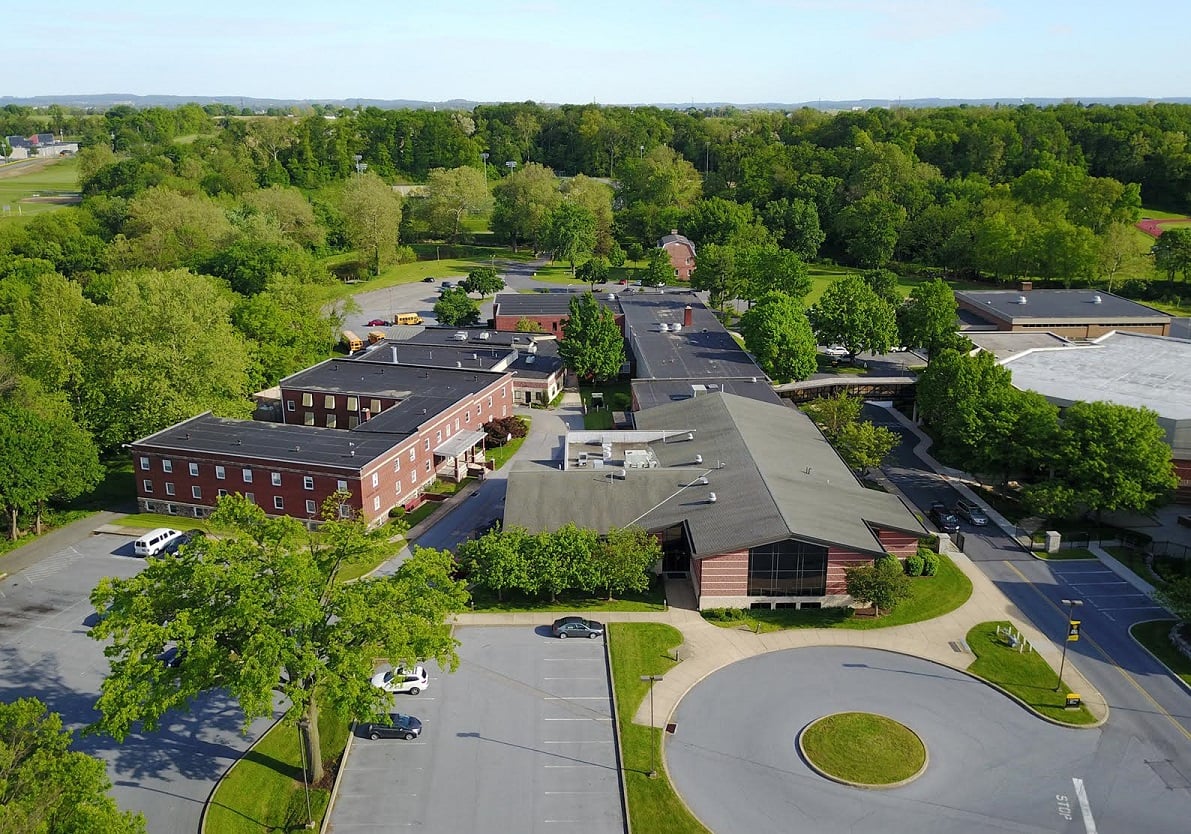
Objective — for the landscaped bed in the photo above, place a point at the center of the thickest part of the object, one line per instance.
(863, 748)
(651, 600)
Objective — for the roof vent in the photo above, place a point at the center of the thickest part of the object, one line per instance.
(754, 380)
(352, 453)
(485, 336)
(702, 480)
(297, 448)
(239, 442)
(1097, 299)
(1021, 299)
(458, 364)
(690, 435)
(665, 328)
(423, 411)
(675, 327)
(611, 296)
(529, 359)
(698, 458)
(711, 499)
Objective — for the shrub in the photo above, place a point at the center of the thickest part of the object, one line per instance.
(914, 565)
(397, 512)
(930, 563)
(726, 615)
(502, 428)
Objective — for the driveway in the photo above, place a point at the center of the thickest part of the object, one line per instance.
(519, 739)
(992, 767)
(45, 653)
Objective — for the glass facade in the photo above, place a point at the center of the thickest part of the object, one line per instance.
(788, 568)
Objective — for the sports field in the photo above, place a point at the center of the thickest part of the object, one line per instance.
(29, 187)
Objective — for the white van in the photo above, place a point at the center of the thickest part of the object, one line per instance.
(154, 541)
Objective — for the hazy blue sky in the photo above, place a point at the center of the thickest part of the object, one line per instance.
(609, 51)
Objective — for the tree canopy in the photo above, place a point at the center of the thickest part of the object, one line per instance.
(851, 314)
(455, 309)
(592, 345)
(777, 333)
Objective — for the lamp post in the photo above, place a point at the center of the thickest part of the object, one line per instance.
(652, 679)
(511, 164)
(361, 167)
(1072, 635)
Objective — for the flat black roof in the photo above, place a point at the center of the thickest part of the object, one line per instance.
(650, 393)
(547, 303)
(254, 441)
(485, 356)
(1074, 306)
(378, 379)
(704, 350)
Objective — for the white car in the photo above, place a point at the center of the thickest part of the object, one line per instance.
(409, 681)
(838, 351)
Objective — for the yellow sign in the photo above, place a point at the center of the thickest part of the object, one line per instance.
(1073, 631)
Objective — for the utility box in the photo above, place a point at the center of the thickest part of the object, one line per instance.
(1053, 540)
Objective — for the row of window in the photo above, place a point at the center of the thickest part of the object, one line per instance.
(329, 401)
(278, 500)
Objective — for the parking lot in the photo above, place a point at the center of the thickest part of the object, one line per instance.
(520, 738)
(1102, 589)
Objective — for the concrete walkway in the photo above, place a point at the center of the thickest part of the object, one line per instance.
(707, 647)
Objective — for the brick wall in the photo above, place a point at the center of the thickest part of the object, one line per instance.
(837, 560)
(725, 575)
(898, 543)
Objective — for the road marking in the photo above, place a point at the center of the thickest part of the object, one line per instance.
(1136, 608)
(1157, 707)
(1085, 807)
(572, 793)
(579, 657)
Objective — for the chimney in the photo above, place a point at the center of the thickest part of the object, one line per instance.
(365, 415)
(688, 316)
(1026, 286)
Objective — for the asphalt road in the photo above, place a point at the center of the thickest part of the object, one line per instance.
(1147, 704)
(519, 739)
(45, 653)
(992, 767)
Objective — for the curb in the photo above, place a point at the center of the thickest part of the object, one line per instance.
(864, 785)
(207, 802)
(624, 787)
(1157, 659)
(347, 748)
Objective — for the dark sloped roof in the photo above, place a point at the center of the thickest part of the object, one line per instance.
(674, 238)
(772, 472)
(476, 355)
(650, 393)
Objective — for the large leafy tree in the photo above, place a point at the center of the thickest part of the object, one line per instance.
(859, 442)
(47, 787)
(455, 309)
(592, 344)
(762, 269)
(1172, 253)
(658, 268)
(777, 333)
(371, 217)
(484, 280)
(260, 612)
(571, 234)
(451, 196)
(594, 271)
(849, 313)
(882, 584)
(869, 228)
(498, 560)
(622, 559)
(954, 394)
(717, 274)
(795, 224)
(928, 319)
(165, 229)
(523, 203)
(596, 197)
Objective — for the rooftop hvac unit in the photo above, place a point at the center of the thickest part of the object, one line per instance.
(698, 458)
(711, 498)
(665, 328)
(1097, 299)
(485, 336)
(675, 327)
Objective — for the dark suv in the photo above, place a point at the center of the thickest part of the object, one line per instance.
(971, 513)
(943, 518)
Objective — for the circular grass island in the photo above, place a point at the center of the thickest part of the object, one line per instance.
(863, 749)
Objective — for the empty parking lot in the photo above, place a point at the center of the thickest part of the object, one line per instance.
(520, 738)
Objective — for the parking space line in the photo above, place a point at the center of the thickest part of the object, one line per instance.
(1085, 807)
(574, 678)
(567, 767)
(575, 698)
(579, 657)
(576, 719)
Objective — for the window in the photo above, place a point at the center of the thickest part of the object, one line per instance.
(490, 401)
(194, 470)
(427, 444)
(220, 473)
(307, 482)
(167, 465)
(196, 492)
(456, 424)
(376, 503)
(789, 568)
(352, 421)
(329, 401)
(246, 474)
(504, 393)
(308, 418)
(222, 492)
(396, 464)
(276, 478)
(278, 502)
(375, 407)
(438, 437)
(250, 497)
(413, 478)
(289, 405)
(353, 403)
(145, 464)
(331, 421)
(341, 486)
(308, 399)
(169, 488)
(467, 417)
(427, 466)
(478, 407)
(375, 480)
(310, 508)
(413, 453)
(448, 429)
(148, 485)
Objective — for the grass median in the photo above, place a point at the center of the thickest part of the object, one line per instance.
(1024, 674)
(645, 649)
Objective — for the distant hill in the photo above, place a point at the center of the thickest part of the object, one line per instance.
(102, 101)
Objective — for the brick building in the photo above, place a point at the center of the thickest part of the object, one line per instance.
(1074, 314)
(681, 252)
(548, 310)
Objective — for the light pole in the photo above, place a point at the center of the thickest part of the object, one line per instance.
(1072, 635)
(511, 164)
(653, 771)
(361, 167)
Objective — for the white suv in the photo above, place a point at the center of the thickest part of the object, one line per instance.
(411, 681)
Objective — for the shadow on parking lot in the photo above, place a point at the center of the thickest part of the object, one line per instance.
(480, 737)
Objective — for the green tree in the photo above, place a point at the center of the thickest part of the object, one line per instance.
(167, 229)
(596, 197)
(795, 224)
(864, 445)
(1172, 253)
(560, 560)
(451, 196)
(1019, 431)
(291, 212)
(929, 318)
(621, 561)
(483, 280)
(954, 394)
(523, 204)
(571, 234)
(371, 216)
(528, 325)
(258, 612)
(849, 313)
(455, 309)
(1116, 252)
(499, 560)
(777, 333)
(762, 269)
(592, 344)
(658, 269)
(594, 271)
(882, 584)
(47, 787)
(886, 284)
(833, 414)
(869, 228)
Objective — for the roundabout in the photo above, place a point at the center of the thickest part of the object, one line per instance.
(863, 749)
(734, 756)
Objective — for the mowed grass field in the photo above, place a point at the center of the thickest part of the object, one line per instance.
(20, 181)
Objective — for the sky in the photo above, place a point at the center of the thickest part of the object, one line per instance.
(606, 51)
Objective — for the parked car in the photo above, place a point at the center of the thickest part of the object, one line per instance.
(404, 726)
(378, 323)
(971, 512)
(155, 541)
(446, 285)
(409, 681)
(172, 657)
(837, 351)
(576, 627)
(429, 279)
(944, 519)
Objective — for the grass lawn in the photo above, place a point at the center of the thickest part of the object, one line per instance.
(263, 792)
(863, 747)
(644, 649)
(59, 176)
(1025, 674)
(1158, 214)
(462, 260)
(617, 396)
(930, 597)
(1155, 636)
(448, 487)
(598, 420)
(1065, 554)
(149, 521)
(501, 454)
(424, 511)
(651, 600)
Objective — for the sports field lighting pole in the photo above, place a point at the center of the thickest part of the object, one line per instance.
(1071, 636)
(361, 167)
(652, 679)
(484, 165)
(511, 164)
